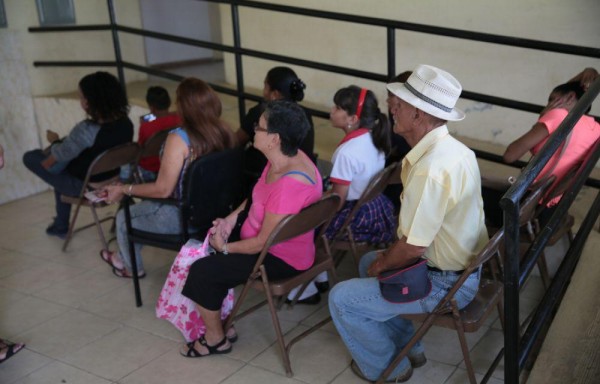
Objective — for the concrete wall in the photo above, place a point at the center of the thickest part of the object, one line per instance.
(516, 73)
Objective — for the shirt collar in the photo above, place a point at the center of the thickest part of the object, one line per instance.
(353, 134)
(425, 143)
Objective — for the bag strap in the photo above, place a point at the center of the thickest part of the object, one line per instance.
(301, 174)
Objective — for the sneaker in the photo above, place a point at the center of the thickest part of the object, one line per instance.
(401, 378)
(310, 300)
(322, 286)
(56, 230)
(417, 360)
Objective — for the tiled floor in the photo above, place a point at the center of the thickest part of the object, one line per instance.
(80, 323)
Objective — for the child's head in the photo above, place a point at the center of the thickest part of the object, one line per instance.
(158, 98)
(572, 89)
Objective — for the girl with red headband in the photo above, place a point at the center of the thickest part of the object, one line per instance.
(359, 156)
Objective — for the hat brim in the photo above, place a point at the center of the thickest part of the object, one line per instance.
(399, 90)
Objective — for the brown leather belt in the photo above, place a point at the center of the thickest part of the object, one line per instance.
(458, 273)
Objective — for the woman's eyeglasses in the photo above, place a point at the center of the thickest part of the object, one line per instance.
(258, 128)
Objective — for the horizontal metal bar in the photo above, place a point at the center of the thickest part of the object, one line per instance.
(71, 28)
(177, 39)
(75, 63)
(429, 29)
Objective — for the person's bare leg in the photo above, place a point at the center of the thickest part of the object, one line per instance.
(214, 326)
(214, 332)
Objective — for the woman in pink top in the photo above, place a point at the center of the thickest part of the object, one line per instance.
(289, 182)
(583, 136)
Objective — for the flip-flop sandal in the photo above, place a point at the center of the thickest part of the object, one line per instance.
(212, 349)
(125, 274)
(107, 256)
(11, 350)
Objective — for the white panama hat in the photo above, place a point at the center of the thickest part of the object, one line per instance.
(431, 90)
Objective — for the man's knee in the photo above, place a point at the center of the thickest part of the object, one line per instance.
(339, 293)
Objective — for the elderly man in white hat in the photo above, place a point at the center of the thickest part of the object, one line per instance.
(441, 220)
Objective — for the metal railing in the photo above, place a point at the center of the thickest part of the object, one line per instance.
(517, 348)
(515, 273)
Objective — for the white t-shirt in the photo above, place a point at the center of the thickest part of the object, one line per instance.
(355, 161)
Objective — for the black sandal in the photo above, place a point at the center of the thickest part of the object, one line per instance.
(212, 349)
(11, 349)
(231, 335)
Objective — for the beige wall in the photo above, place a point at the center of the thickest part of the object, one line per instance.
(520, 74)
(73, 45)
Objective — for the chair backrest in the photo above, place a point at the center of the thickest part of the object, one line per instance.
(213, 187)
(113, 158)
(375, 188)
(154, 143)
(492, 248)
(528, 209)
(317, 214)
(560, 186)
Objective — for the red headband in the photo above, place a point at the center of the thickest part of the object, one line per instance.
(361, 101)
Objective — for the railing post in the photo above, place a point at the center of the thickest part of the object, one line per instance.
(391, 52)
(239, 70)
(117, 46)
(511, 291)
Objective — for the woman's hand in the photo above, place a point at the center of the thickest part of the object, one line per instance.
(52, 136)
(114, 193)
(587, 77)
(222, 228)
(48, 162)
(217, 241)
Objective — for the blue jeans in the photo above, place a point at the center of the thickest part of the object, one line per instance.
(371, 327)
(126, 174)
(147, 216)
(63, 184)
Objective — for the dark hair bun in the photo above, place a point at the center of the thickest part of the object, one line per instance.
(297, 88)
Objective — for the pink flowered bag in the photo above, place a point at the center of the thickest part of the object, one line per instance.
(178, 309)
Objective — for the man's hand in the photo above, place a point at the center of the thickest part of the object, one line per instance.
(52, 136)
(376, 266)
(399, 255)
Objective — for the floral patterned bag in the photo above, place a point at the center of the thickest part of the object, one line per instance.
(178, 309)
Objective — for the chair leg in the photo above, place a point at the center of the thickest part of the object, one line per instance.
(134, 274)
(543, 268)
(72, 226)
(99, 227)
(339, 256)
(404, 352)
(354, 249)
(276, 324)
(463, 342)
(501, 311)
(237, 305)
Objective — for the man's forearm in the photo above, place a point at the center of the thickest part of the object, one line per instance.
(399, 255)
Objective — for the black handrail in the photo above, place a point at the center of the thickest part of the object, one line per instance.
(517, 349)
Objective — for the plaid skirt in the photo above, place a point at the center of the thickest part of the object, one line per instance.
(373, 223)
